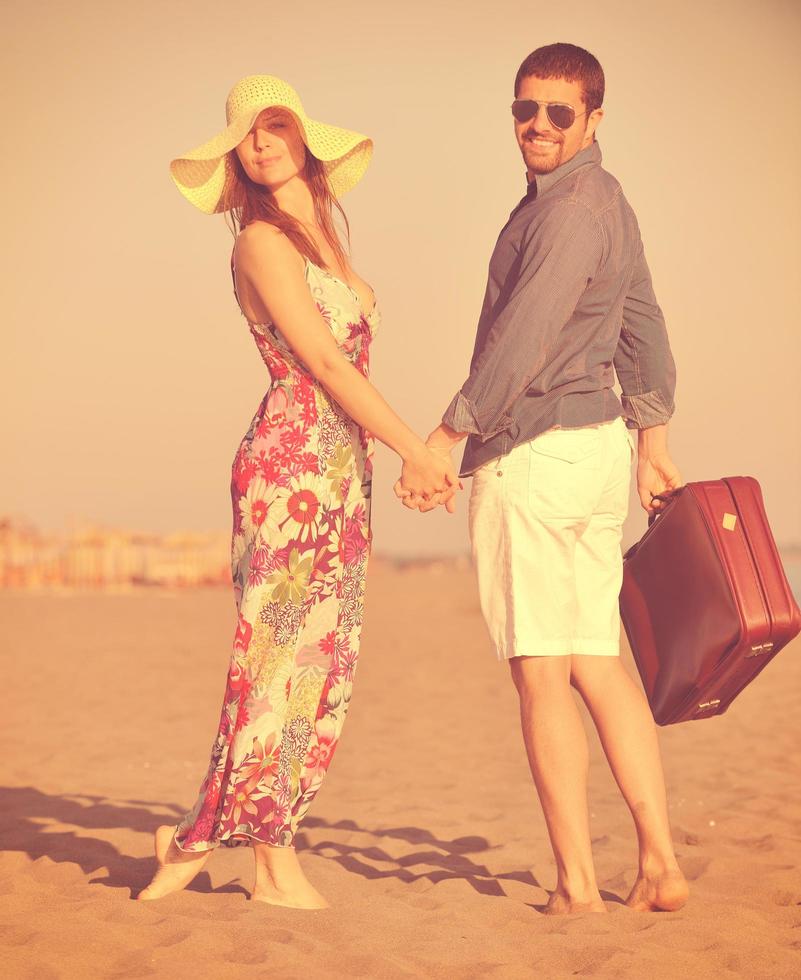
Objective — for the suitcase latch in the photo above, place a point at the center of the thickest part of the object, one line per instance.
(759, 648)
(707, 705)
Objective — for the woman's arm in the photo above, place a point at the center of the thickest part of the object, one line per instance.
(273, 268)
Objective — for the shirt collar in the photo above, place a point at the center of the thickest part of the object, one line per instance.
(543, 182)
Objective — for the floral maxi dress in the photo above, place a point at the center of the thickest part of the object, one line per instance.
(301, 537)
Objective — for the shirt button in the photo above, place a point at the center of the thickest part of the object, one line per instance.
(500, 473)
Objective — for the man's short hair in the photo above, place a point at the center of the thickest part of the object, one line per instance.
(566, 61)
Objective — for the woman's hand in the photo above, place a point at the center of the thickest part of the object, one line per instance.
(428, 479)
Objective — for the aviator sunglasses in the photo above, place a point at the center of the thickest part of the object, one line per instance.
(560, 115)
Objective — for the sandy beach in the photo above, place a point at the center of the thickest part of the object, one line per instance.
(427, 837)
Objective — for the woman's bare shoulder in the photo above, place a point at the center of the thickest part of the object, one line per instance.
(262, 250)
(260, 237)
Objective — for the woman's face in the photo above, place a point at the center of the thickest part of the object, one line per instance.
(273, 152)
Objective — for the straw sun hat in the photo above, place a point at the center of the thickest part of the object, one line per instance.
(200, 174)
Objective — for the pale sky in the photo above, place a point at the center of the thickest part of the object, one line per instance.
(132, 377)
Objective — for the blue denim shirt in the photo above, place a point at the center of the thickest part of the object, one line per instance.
(568, 296)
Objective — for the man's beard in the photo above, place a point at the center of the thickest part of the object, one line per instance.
(540, 163)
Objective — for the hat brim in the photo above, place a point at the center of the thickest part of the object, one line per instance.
(200, 173)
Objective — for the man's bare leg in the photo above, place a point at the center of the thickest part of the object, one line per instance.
(628, 736)
(558, 757)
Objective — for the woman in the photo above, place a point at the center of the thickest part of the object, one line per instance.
(300, 483)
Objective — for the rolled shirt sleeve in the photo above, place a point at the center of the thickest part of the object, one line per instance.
(559, 254)
(643, 360)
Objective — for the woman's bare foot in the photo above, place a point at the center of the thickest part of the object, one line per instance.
(280, 879)
(666, 891)
(176, 867)
(561, 904)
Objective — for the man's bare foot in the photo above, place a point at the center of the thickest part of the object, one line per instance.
(663, 892)
(280, 880)
(561, 904)
(176, 868)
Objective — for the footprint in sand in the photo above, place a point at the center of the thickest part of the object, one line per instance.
(766, 843)
(694, 867)
(247, 957)
(254, 954)
(419, 901)
(735, 964)
(591, 964)
(682, 835)
(18, 939)
(785, 898)
(115, 915)
(133, 965)
(174, 938)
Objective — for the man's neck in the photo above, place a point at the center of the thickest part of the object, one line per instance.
(537, 183)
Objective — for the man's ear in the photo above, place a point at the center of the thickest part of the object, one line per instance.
(593, 121)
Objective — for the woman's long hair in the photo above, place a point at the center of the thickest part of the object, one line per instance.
(246, 202)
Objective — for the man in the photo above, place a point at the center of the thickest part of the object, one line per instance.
(569, 295)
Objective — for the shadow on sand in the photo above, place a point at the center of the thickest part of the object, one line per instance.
(435, 860)
(27, 816)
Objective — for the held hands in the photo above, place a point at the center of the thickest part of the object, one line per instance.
(427, 480)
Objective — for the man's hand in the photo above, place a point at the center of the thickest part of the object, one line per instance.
(439, 444)
(448, 498)
(656, 471)
(427, 479)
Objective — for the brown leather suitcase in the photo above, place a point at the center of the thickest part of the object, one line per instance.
(705, 602)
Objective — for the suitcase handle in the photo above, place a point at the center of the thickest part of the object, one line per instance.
(665, 498)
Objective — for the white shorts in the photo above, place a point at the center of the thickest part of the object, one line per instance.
(546, 523)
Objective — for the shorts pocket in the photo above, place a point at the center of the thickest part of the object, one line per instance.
(565, 473)
(569, 445)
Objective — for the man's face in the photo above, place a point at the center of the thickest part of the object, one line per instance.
(544, 147)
